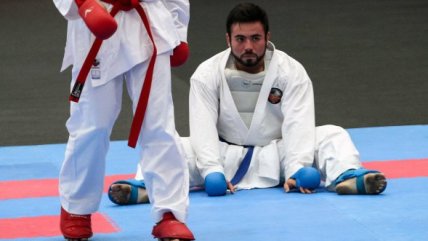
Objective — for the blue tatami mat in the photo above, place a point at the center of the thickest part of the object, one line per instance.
(400, 213)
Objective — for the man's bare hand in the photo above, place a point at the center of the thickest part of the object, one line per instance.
(290, 184)
(231, 187)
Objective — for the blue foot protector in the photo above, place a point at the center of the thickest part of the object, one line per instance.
(135, 184)
(307, 177)
(351, 173)
(359, 174)
(215, 184)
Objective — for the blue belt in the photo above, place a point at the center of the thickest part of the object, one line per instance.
(245, 164)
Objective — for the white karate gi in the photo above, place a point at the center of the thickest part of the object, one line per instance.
(284, 134)
(124, 57)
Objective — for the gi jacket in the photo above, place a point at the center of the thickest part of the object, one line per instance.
(130, 44)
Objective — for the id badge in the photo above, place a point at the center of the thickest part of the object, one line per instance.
(95, 70)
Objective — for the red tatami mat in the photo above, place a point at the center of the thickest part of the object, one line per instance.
(46, 226)
(42, 187)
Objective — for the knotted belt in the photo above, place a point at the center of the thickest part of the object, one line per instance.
(140, 111)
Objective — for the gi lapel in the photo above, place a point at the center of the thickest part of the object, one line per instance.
(256, 123)
(227, 104)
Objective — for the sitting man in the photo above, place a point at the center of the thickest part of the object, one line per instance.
(252, 124)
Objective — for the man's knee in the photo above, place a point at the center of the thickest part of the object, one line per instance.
(331, 133)
(331, 129)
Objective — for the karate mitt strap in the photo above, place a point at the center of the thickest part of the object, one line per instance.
(96, 18)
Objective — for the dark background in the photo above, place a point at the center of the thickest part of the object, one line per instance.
(367, 60)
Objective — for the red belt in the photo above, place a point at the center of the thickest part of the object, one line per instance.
(138, 119)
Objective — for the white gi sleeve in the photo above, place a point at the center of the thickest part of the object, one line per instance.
(180, 11)
(67, 8)
(298, 128)
(203, 115)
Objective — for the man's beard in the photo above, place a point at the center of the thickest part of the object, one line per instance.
(251, 62)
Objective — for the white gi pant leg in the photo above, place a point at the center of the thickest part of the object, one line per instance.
(195, 178)
(162, 159)
(89, 125)
(335, 153)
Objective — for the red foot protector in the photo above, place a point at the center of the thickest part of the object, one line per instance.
(75, 226)
(96, 18)
(170, 227)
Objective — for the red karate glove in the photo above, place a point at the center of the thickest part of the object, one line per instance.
(180, 54)
(96, 18)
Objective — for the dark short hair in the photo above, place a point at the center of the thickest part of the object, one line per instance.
(247, 13)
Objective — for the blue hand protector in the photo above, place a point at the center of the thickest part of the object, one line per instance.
(215, 184)
(307, 177)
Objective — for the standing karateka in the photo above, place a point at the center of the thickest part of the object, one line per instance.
(252, 123)
(141, 41)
